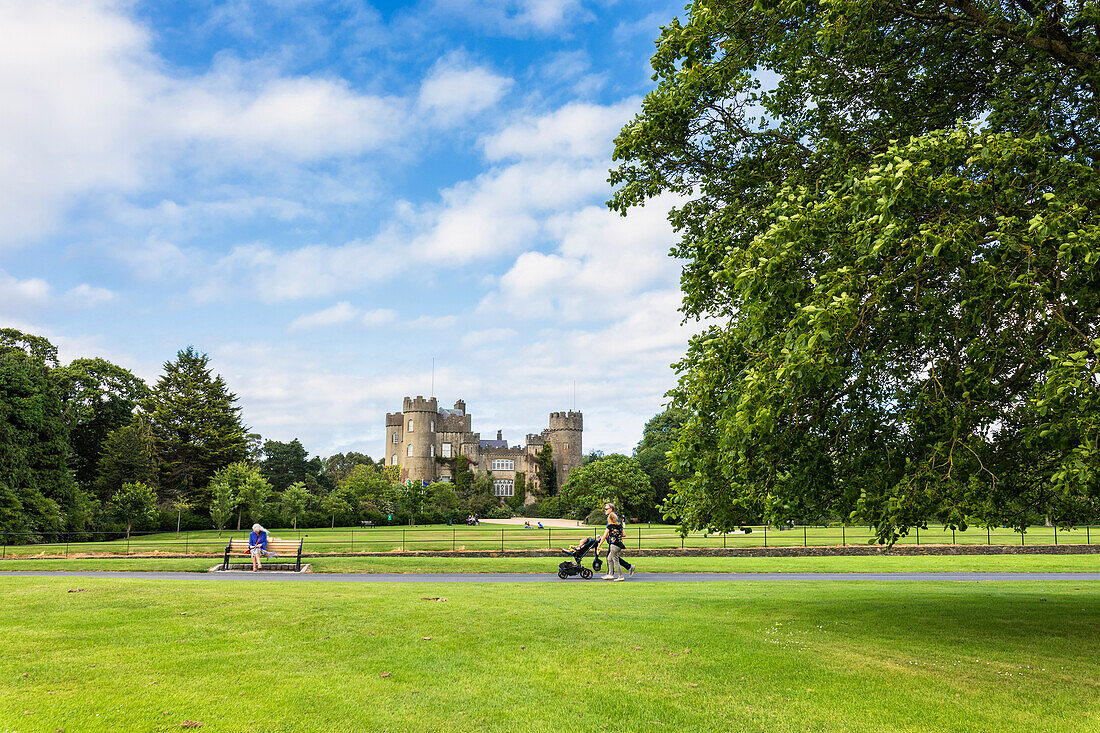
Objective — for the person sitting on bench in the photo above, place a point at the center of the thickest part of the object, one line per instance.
(257, 545)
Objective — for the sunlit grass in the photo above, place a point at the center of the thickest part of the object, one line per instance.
(110, 655)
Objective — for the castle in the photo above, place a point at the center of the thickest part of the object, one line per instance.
(421, 434)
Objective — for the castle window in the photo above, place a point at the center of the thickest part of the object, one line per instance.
(431, 450)
(567, 446)
(393, 460)
(503, 487)
(446, 450)
(501, 464)
(395, 439)
(433, 426)
(410, 426)
(445, 479)
(409, 450)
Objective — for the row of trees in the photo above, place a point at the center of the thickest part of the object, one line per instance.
(89, 446)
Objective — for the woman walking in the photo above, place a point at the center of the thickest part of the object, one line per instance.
(613, 535)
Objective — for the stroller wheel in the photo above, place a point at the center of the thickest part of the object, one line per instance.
(586, 573)
(562, 574)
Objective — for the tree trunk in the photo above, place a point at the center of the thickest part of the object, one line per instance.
(334, 520)
(128, 523)
(239, 520)
(179, 515)
(295, 522)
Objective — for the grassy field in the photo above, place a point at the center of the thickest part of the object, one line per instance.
(110, 655)
(918, 563)
(495, 537)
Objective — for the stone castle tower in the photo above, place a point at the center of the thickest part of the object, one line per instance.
(422, 434)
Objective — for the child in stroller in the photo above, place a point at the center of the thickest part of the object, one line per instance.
(569, 568)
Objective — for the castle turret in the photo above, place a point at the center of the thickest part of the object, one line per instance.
(395, 439)
(418, 462)
(564, 437)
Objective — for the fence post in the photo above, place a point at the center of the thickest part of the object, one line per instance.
(804, 535)
(1056, 534)
(723, 539)
(1021, 538)
(987, 540)
(502, 540)
(952, 535)
(918, 536)
(765, 535)
(454, 534)
(1088, 541)
(402, 539)
(549, 532)
(843, 539)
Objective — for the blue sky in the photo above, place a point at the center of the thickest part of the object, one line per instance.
(326, 196)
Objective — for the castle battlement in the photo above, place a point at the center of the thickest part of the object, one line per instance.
(419, 404)
(394, 419)
(566, 420)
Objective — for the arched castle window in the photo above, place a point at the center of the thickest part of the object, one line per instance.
(431, 450)
(395, 440)
(409, 450)
(433, 426)
(410, 426)
(393, 460)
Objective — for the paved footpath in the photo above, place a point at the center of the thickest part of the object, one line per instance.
(276, 576)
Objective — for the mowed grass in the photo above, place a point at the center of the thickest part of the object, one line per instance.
(870, 564)
(515, 537)
(150, 655)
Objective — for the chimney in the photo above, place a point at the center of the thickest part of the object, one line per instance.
(499, 436)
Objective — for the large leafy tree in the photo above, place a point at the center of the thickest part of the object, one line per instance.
(907, 304)
(287, 463)
(133, 503)
(128, 456)
(98, 397)
(658, 437)
(615, 478)
(37, 493)
(197, 426)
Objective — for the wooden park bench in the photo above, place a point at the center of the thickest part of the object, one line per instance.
(278, 548)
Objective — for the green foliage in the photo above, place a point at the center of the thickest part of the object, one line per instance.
(98, 397)
(615, 478)
(658, 437)
(909, 310)
(128, 456)
(519, 491)
(37, 493)
(293, 501)
(287, 463)
(338, 466)
(223, 502)
(134, 503)
(255, 496)
(196, 424)
(546, 470)
(369, 489)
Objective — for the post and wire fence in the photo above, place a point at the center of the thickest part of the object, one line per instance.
(503, 538)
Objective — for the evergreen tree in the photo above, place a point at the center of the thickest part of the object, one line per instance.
(129, 456)
(288, 463)
(196, 424)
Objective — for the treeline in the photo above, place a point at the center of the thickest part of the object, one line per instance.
(89, 447)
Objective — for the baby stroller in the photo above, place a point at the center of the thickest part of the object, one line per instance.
(573, 567)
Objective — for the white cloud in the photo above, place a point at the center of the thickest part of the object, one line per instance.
(378, 317)
(16, 293)
(576, 130)
(519, 17)
(456, 89)
(342, 312)
(476, 339)
(87, 296)
(155, 258)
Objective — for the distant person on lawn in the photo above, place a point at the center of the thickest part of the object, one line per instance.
(613, 535)
(257, 545)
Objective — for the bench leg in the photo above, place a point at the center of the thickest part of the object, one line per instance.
(298, 569)
(225, 562)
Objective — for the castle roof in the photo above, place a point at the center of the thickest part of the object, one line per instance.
(493, 444)
(450, 413)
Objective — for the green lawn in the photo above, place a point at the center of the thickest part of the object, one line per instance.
(874, 564)
(149, 655)
(494, 537)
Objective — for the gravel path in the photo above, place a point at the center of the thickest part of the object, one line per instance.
(277, 576)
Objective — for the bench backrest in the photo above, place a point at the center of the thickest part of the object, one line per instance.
(273, 545)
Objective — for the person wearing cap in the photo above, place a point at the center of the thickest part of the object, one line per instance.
(613, 535)
(257, 545)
